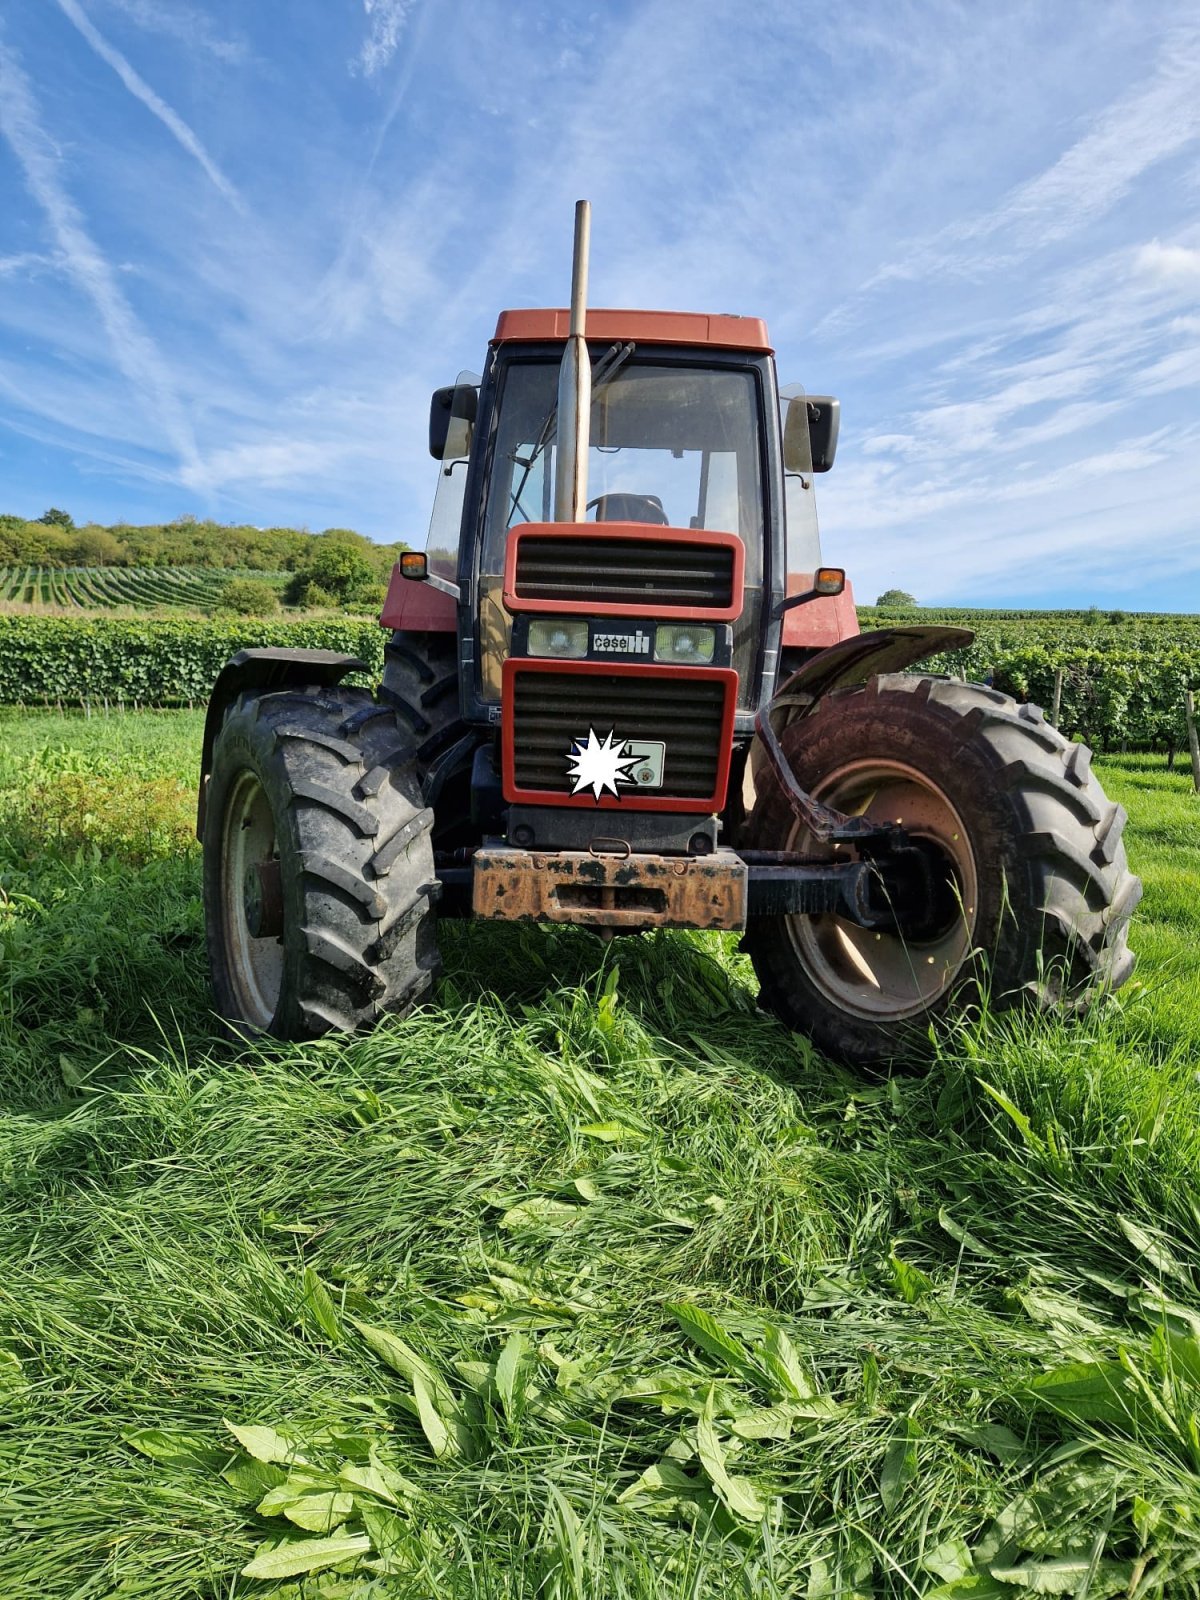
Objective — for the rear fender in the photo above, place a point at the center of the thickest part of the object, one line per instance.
(264, 672)
(841, 666)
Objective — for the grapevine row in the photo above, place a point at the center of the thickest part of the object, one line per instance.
(1111, 697)
(104, 588)
(61, 660)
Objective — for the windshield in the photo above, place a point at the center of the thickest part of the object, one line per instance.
(669, 444)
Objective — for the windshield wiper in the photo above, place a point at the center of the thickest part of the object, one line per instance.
(605, 370)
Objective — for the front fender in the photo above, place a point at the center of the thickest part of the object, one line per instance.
(264, 671)
(842, 665)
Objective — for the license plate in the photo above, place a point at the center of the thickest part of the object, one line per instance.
(647, 769)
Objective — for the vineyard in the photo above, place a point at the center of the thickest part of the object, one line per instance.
(107, 588)
(1122, 685)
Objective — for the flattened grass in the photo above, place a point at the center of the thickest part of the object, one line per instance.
(699, 1313)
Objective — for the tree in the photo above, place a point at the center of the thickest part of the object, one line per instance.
(896, 597)
(96, 547)
(57, 518)
(249, 597)
(340, 568)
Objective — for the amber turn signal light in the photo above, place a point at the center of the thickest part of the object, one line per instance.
(829, 580)
(414, 564)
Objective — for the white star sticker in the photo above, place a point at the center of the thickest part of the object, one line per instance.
(597, 764)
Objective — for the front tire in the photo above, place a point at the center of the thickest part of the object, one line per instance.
(319, 884)
(1035, 890)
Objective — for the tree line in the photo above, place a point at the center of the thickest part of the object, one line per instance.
(54, 540)
(335, 567)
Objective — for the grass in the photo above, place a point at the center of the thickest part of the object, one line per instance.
(656, 1301)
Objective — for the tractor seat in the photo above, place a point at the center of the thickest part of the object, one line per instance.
(628, 508)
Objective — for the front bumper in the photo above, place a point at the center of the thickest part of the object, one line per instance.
(610, 891)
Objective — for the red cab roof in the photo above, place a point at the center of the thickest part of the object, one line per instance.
(643, 327)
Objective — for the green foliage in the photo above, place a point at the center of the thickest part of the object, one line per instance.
(96, 547)
(896, 597)
(52, 660)
(249, 597)
(107, 588)
(187, 542)
(264, 1329)
(1123, 681)
(341, 565)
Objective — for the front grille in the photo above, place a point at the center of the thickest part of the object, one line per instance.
(551, 710)
(612, 572)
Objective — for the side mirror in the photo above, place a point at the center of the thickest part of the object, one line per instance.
(824, 419)
(810, 433)
(452, 413)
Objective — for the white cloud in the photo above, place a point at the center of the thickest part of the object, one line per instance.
(1169, 263)
(135, 352)
(388, 21)
(1154, 121)
(191, 27)
(23, 261)
(154, 103)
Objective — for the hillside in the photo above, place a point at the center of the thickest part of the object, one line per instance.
(53, 540)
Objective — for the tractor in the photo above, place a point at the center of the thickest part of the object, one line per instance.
(622, 690)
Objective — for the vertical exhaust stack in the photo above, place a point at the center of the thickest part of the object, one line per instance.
(575, 386)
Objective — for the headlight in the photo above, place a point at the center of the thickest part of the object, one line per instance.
(558, 638)
(686, 644)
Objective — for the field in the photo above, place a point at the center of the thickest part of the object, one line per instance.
(103, 589)
(590, 1281)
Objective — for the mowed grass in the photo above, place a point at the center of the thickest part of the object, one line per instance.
(588, 1281)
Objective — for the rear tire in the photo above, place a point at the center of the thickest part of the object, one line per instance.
(319, 884)
(1038, 889)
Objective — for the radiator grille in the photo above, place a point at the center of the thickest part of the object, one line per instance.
(551, 710)
(638, 571)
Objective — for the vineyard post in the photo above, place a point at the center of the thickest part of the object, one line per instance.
(1056, 703)
(1189, 711)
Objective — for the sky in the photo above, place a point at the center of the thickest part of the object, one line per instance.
(241, 243)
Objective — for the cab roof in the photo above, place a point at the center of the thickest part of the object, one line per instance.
(643, 327)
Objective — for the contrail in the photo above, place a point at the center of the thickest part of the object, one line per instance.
(141, 90)
(136, 353)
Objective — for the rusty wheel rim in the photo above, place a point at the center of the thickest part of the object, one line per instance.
(886, 976)
(250, 901)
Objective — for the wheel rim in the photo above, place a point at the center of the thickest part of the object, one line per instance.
(887, 976)
(254, 958)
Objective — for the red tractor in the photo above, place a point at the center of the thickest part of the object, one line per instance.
(646, 704)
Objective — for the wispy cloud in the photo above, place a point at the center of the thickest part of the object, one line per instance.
(191, 27)
(1169, 263)
(24, 261)
(388, 21)
(1154, 121)
(135, 352)
(154, 103)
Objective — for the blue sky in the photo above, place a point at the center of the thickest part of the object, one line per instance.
(240, 243)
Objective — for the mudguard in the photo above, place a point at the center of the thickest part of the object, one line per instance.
(265, 671)
(855, 660)
(841, 666)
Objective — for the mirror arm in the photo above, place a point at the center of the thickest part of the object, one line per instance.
(794, 600)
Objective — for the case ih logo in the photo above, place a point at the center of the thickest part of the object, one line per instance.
(601, 764)
(622, 644)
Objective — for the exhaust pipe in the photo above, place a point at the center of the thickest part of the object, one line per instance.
(575, 387)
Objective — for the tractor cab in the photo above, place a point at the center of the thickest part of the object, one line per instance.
(699, 518)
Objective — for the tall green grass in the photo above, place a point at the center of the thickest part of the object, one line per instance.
(589, 1280)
